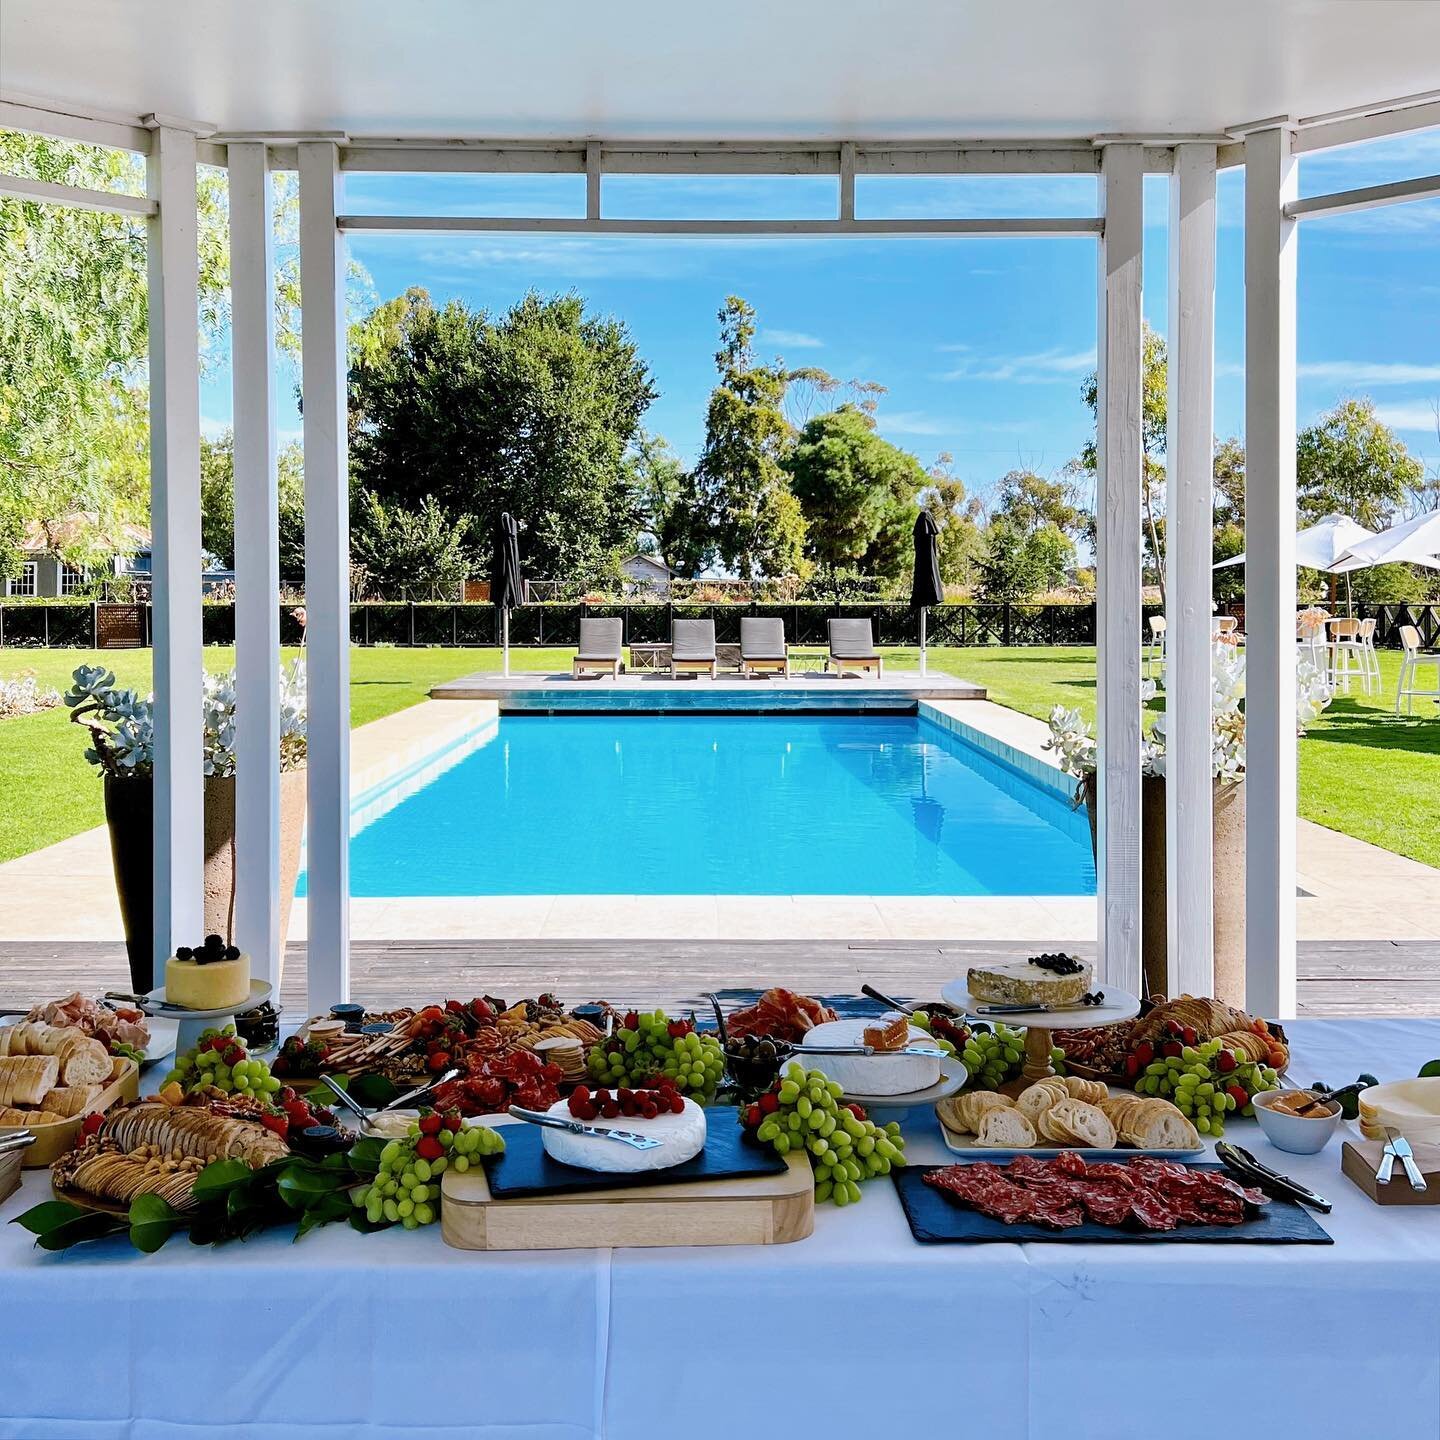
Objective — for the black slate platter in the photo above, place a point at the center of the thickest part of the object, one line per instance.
(935, 1219)
(525, 1168)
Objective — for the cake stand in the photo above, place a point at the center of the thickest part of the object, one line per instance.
(192, 1022)
(1038, 1024)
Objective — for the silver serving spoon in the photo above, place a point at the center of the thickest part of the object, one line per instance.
(401, 1101)
(339, 1092)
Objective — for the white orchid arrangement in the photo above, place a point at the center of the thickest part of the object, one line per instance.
(1073, 741)
(24, 696)
(122, 723)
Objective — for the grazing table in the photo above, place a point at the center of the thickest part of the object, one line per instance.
(857, 1331)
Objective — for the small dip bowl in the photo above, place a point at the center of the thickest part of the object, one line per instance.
(1295, 1133)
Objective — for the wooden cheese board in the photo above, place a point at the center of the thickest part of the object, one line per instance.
(760, 1210)
(53, 1141)
(1359, 1159)
(10, 1163)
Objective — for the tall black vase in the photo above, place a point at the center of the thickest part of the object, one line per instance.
(130, 816)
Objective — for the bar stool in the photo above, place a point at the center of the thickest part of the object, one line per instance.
(1310, 637)
(1345, 651)
(1414, 658)
(1155, 655)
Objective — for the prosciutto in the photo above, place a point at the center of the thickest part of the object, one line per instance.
(121, 1025)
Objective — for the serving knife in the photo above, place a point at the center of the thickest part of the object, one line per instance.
(20, 1140)
(987, 1010)
(632, 1138)
(401, 1101)
(868, 1050)
(1247, 1167)
(1397, 1145)
(145, 1003)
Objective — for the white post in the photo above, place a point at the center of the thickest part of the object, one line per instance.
(923, 610)
(1271, 182)
(1189, 526)
(327, 575)
(1117, 511)
(175, 527)
(257, 563)
(505, 640)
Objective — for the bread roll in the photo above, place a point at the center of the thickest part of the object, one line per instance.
(27, 1079)
(1005, 1128)
(72, 1100)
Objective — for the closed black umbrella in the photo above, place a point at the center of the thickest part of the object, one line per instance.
(926, 588)
(506, 589)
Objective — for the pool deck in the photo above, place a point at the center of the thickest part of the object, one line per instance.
(653, 692)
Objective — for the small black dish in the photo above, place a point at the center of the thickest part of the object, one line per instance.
(322, 1140)
(353, 1015)
(259, 1028)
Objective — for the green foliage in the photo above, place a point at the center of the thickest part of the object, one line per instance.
(1010, 569)
(1228, 585)
(532, 412)
(1351, 463)
(1053, 553)
(961, 544)
(217, 504)
(1030, 502)
(858, 494)
(407, 554)
(1390, 585)
(740, 482)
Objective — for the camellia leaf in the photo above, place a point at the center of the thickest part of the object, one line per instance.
(301, 1186)
(48, 1215)
(219, 1177)
(372, 1090)
(152, 1222)
(364, 1155)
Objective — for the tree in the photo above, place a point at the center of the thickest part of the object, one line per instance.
(857, 492)
(740, 480)
(407, 554)
(1153, 402)
(1053, 554)
(1010, 568)
(217, 504)
(956, 515)
(1351, 463)
(533, 411)
(1032, 501)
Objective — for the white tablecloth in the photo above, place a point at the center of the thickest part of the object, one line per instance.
(857, 1331)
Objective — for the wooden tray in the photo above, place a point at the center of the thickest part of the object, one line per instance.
(764, 1210)
(10, 1174)
(52, 1141)
(1359, 1158)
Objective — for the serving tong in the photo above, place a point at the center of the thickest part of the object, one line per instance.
(632, 1138)
(398, 1103)
(1239, 1160)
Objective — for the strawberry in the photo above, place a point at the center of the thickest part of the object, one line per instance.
(452, 1120)
(1225, 1061)
(1171, 1048)
(1188, 1034)
(92, 1122)
(1144, 1052)
(1238, 1095)
(454, 1007)
(481, 1010)
(769, 1102)
(430, 1124)
(427, 1147)
(1132, 1066)
(275, 1123)
(233, 1056)
(439, 1059)
(752, 1116)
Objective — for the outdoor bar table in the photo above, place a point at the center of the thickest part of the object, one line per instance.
(857, 1331)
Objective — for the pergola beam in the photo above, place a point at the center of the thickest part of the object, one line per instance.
(1271, 180)
(1189, 514)
(107, 202)
(50, 118)
(1120, 452)
(1367, 197)
(976, 226)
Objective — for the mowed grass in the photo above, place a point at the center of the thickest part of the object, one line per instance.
(1363, 770)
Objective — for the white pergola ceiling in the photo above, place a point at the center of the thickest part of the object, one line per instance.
(654, 69)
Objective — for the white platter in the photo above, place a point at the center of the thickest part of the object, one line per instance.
(1119, 1005)
(953, 1076)
(956, 1145)
(163, 1034)
(191, 1023)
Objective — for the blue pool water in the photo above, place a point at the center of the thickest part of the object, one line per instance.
(732, 804)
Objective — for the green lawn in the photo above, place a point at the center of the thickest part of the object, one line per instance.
(1362, 770)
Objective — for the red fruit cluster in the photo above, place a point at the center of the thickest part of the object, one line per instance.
(297, 1113)
(494, 1080)
(646, 1102)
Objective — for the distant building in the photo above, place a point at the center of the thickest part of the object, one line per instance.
(45, 575)
(647, 574)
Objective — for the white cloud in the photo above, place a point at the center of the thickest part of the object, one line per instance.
(1366, 372)
(1042, 368)
(211, 428)
(1416, 415)
(791, 339)
(912, 422)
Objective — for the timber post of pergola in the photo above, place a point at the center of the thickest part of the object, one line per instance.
(1269, 153)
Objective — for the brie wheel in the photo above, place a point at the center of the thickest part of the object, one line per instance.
(1018, 982)
(870, 1074)
(683, 1136)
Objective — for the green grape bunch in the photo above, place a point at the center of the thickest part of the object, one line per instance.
(846, 1148)
(650, 1044)
(992, 1057)
(406, 1188)
(1206, 1082)
(221, 1061)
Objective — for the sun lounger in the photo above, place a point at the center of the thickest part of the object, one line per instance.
(600, 645)
(692, 647)
(762, 645)
(852, 647)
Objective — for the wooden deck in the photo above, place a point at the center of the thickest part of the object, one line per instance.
(1362, 977)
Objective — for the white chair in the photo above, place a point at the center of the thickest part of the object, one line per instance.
(1347, 655)
(1369, 653)
(1414, 658)
(1223, 624)
(1310, 637)
(1155, 654)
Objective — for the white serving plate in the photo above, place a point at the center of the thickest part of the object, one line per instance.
(163, 1034)
(1119, 1005)
(964, 1146)
(953, 1076)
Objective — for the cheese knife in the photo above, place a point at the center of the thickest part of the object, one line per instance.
(1043, 1009)
(802, 1050)
(1397, 1145)
(632, 1138)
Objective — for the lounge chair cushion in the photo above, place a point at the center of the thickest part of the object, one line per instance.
(762, 639)
(600, 639)
(852, 640)
(693, 640)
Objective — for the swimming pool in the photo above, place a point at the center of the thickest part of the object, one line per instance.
(719, 805)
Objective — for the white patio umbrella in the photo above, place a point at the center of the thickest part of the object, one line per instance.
(1412, 542)
(1321, 546)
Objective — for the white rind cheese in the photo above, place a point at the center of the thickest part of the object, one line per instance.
(870, 1074)
(683, 1134)
(1018, 982)
(215, 986)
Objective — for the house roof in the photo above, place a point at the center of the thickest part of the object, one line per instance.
(653, 561)
(71, 529)
(651, 69)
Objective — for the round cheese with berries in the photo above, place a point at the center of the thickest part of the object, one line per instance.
(682, 1136)
(879, 1074)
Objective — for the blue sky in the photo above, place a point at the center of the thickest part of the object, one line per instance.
(982, 344)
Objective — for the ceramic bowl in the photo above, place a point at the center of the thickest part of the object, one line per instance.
(1295, 1133)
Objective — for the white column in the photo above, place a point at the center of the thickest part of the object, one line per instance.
(1117, 514)
(257, 562)
(175, 527)
(1271, 182)
(1189, 526)
(327, 574)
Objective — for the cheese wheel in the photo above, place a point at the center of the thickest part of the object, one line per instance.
(683, 1136)
(882, 1074)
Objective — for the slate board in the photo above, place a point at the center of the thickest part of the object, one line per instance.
(525, 1169)
(937, 1220)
